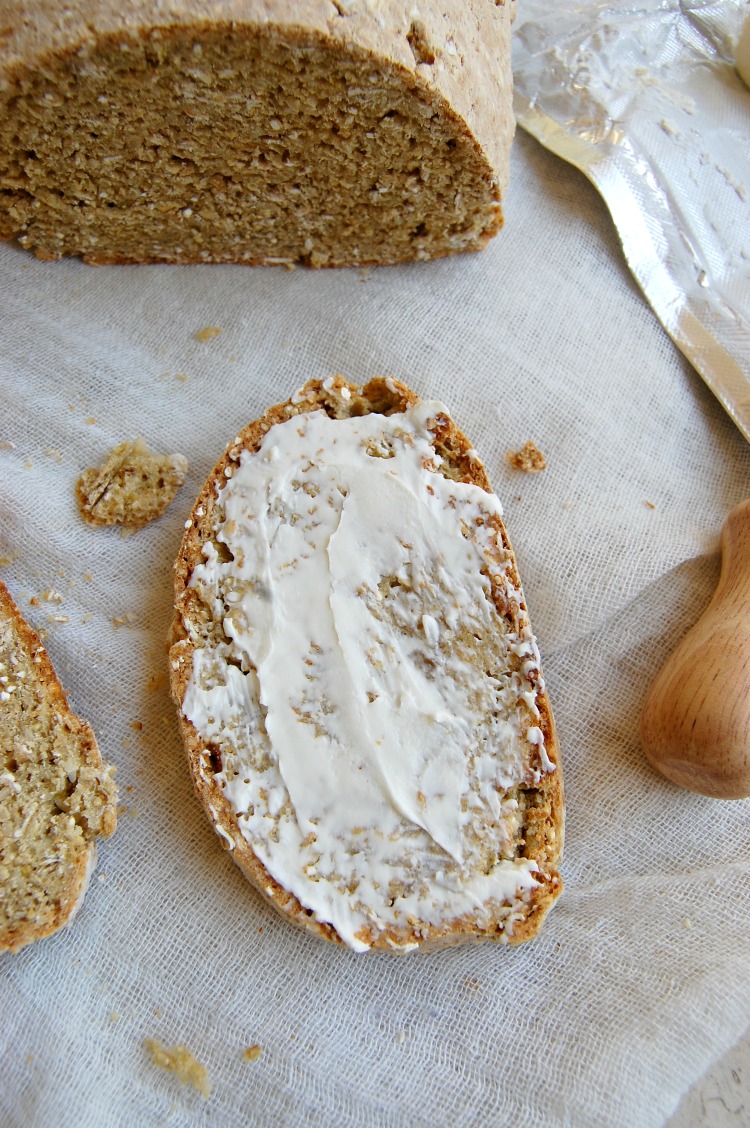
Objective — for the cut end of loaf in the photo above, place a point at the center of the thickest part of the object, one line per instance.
(56, 796)
(246, 143)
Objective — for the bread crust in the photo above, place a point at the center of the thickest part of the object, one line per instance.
(91, 803)
(544, 801)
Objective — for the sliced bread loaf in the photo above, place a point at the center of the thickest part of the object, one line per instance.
(359, 690)
(56, 795)
(324, 132)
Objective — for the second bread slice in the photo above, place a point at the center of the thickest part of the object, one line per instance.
(56, 795)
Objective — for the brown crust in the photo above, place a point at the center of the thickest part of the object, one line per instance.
(48, 685)
(544, 801)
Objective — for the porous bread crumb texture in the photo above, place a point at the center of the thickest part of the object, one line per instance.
(131, 488)
(529, 458)
(533, 830)
(179, 1060)
(255, 142)
(56, 796)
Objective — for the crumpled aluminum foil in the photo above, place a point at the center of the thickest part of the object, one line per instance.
(644, 99)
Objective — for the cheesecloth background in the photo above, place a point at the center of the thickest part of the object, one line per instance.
(639, 979)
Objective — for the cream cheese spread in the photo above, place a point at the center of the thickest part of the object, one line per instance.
(372, 709)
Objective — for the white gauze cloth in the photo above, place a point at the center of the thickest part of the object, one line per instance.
(639, 979)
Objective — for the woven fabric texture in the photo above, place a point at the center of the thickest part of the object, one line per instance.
(639, 979)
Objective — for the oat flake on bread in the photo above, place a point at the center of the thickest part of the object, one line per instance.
(324, 132)
(359, 689)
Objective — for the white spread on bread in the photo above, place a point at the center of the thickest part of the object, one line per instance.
(369, 732)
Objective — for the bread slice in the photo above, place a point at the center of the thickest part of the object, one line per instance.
(56, 796)
(322, 132)
(359, 690)
(131, 488)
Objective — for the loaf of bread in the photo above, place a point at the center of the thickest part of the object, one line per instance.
(323, 132)
(56, 796)
(359, 689)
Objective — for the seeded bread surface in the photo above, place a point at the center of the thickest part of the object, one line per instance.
(56, 795)
(322, 132)
(132, 487)
(539, 834)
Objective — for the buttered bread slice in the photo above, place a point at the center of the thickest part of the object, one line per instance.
(56, 795)
(359, 689)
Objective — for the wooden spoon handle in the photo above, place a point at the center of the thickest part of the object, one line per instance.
(695, 723)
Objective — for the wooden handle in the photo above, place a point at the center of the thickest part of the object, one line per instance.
(695, 724)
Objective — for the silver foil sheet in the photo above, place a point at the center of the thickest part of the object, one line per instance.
(644, 99)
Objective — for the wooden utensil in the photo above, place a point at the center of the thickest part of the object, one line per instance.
(695, 723)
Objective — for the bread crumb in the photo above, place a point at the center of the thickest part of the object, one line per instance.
(91, 419)
(650, 504)
(137, 725)
(207, 333)
(252, 1053)
(178, 1060)
(114, 1017)
(131, 488)
(529, 458)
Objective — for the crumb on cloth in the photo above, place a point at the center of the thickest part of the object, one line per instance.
(529, 458)
(252, 1053)
(131, 488)
(178, 1060)
(208, 332)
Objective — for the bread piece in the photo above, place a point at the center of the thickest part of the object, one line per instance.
(323, 132)
(131, 488)
(180, 1061)
(529, 458)
(56, 795)
(359, 691)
